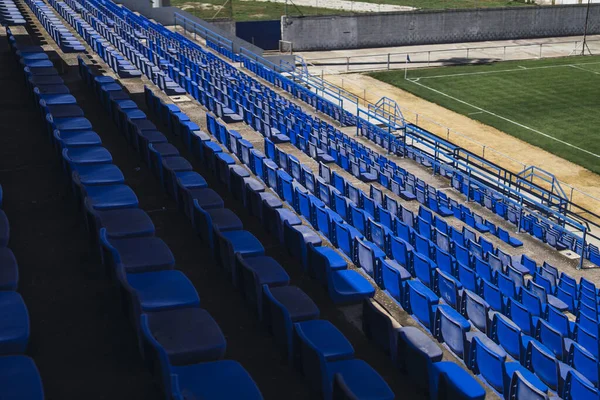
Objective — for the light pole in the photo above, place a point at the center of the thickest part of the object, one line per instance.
(585, 28)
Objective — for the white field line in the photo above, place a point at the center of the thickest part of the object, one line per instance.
(508, 120)
(520, 68)
(583, 69)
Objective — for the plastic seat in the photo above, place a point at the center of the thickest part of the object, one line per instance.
(416, 352)
(296, 240)
(9, 270)
(207, 221)
(540, 360)
(136, 254)
(450, 381)
(158, 151)
(20, 379)
(187, 180)
(14, 324)
(421, 302)
(283, 215)
(76, 138)
(477, 310)
(521, 388)
(282, 307)
(254, 273)
(553, 339)
(584, 362)
(578, 388)
(206, 197)
(187, 335)
(450, 327)
(110, 197)
(85, 156)
(230, 243)
(379, 326)
(211, 380)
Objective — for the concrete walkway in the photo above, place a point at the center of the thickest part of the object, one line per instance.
(434, 55)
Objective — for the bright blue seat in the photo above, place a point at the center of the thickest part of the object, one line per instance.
(541, 361)
(207, 380)
(421, 302)
(553, 339)
(187, 335)
(508, 335)
(14, 324)
(321, 259)
(380, 327)
(424, 270)
(393, 279)
(491, 293)
(282, 307)
(296, 240)
(136, 254)
(450, 381)
(110, 197)
(254, 273)
(584, 362)
(521, 316)
(577, 387)
(416, 353)
(207, 221)
(490, 362)
(451, 328)
(9, 270)
(521, 388)
(20, 379)
(228, 243)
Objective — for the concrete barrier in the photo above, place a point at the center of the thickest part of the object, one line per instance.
(430, 27)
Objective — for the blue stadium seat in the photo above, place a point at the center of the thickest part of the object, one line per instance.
(20, 378)
(416, 353)
(553, 339)
(521, 388)
(136, 254)
(9, 270)
(230, 243)
(577, 387)
(206, 222)
(477, 310)
(110, 197)
(451, 328)
(225, 379)
(282, 307)
(379, 326)
(394, 277)
(14, 324)
(584, 362)
(421, 302)
(451, 381)
(296, 240)
(540, 360)
(521, 316)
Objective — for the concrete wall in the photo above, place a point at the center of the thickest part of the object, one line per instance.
(428, 27)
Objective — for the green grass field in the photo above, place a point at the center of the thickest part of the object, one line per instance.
(551, 103)
(242, 10)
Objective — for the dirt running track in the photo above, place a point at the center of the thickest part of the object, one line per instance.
(517, 149)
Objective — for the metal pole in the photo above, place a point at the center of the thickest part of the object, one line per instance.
(580, 266)
(541, 44)
(388, 62)
(585, 28)
(504, 53)
(347, 64)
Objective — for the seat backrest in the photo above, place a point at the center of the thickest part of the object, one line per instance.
(419, 302)
(467, 277)
(520, 315)
(520, 388)
(483, 269)
(529, 263)
(531, 302)
(495, 262)
(475, 309)
(399, 252)
(457, 236)
(587, 340)
(504, 257)
(341, 205)
(488, 362)
(341, 391)
(424, 228)
(442, 240)
(365, 257)
(584, 362)
(507, 334)
(448, 287)
(384, 217)
(462, 255)
(516, 276)
(423, 269)
(588, 323)
(491, 293)
(577, 387)
(551, 338)
(358, 219)
(558, 320)
(506, 285)
(444, 260)
(543, 282)
(450, 328)
(542, 362)
(423, 245)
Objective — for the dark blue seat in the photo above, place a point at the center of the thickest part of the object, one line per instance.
(76, 138)
(9, 270)
(451, 328)
(136, 254)
(230, 243)
(296, 240)
(379, 326)
(14, 324)
(206, 198)
(282, 216)
(187, 335)
(110, 197)
(206, 380)
(254, 272)
(75, 157)
(146, 138)
(155, 291)
(393, 277)
(237, 176)
(521, 388)
(4, 229)
(282, 307)
(477, 310)
(451, 381)
(541, 361)
(207, 221)
(95, 175)
(158, 151)
(171, 166)
(20, 379)
(416, 352)
(119, 223)
(187, 180)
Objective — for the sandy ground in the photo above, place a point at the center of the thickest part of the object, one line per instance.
(472, 130)
(345, 5)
